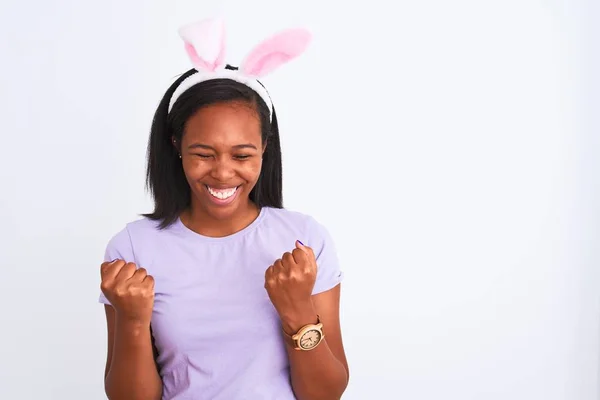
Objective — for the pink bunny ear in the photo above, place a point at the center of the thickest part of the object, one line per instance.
(205, 43)
(275, 51)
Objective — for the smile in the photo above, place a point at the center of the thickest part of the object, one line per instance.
(222, 194)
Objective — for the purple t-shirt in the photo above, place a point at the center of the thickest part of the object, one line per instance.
(217, 333)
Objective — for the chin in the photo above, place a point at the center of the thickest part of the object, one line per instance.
(221, 214)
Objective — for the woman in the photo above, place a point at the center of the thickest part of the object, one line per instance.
(221, 293)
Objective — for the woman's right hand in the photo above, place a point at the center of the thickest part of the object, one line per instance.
(129, 289)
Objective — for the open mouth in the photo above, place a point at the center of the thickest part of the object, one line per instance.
(224, 195)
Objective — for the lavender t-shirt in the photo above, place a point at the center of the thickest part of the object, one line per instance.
(217, 333)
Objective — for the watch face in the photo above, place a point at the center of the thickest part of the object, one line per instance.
(310, 339)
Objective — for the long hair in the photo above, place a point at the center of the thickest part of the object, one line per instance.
(165, 178)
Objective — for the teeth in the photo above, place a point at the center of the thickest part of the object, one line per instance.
(222, 194)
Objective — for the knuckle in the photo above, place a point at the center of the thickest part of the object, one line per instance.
(128, 271)
(121, 291)
(129, 267)
(297, 252)
(298, 276)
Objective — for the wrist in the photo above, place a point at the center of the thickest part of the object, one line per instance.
(132, 326)
(302, 315)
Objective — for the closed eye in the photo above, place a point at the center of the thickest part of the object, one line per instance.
(242, 156)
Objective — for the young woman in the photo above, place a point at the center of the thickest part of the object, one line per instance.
(220, 292)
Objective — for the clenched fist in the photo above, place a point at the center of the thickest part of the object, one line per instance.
(129, 289)
(290, 282)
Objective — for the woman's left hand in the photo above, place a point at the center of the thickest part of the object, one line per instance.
(289, 283)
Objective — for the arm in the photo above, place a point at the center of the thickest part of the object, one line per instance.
(130, 372)
(321, 373)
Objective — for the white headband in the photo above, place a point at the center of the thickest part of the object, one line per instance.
(222, 74)
(205, 45)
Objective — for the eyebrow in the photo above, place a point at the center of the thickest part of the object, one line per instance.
(207, 147)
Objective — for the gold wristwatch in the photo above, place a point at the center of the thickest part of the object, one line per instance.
(307, 338)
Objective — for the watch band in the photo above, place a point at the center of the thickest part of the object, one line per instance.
(289, 340)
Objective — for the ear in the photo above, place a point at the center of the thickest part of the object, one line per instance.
(205, 43)
(275, 51)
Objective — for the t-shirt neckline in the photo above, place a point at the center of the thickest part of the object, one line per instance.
(244, 231)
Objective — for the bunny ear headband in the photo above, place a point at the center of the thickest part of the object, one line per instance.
(205, 46)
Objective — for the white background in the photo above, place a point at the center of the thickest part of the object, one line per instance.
(450, 148)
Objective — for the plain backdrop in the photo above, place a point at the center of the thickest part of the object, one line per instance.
(451, 149)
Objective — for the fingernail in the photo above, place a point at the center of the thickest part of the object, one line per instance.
(114, 260)
(301, 243)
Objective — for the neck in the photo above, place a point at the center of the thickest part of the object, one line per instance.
(203, 223)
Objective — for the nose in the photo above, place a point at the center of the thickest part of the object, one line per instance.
(222, 170)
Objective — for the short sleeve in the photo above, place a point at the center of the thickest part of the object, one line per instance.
(329, 273)
(119, 247)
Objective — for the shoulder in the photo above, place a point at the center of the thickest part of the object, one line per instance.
(292, 217)
(305, 224)
(121, 244)
(142, 226)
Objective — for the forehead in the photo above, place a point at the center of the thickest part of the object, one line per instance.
(225, 124)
